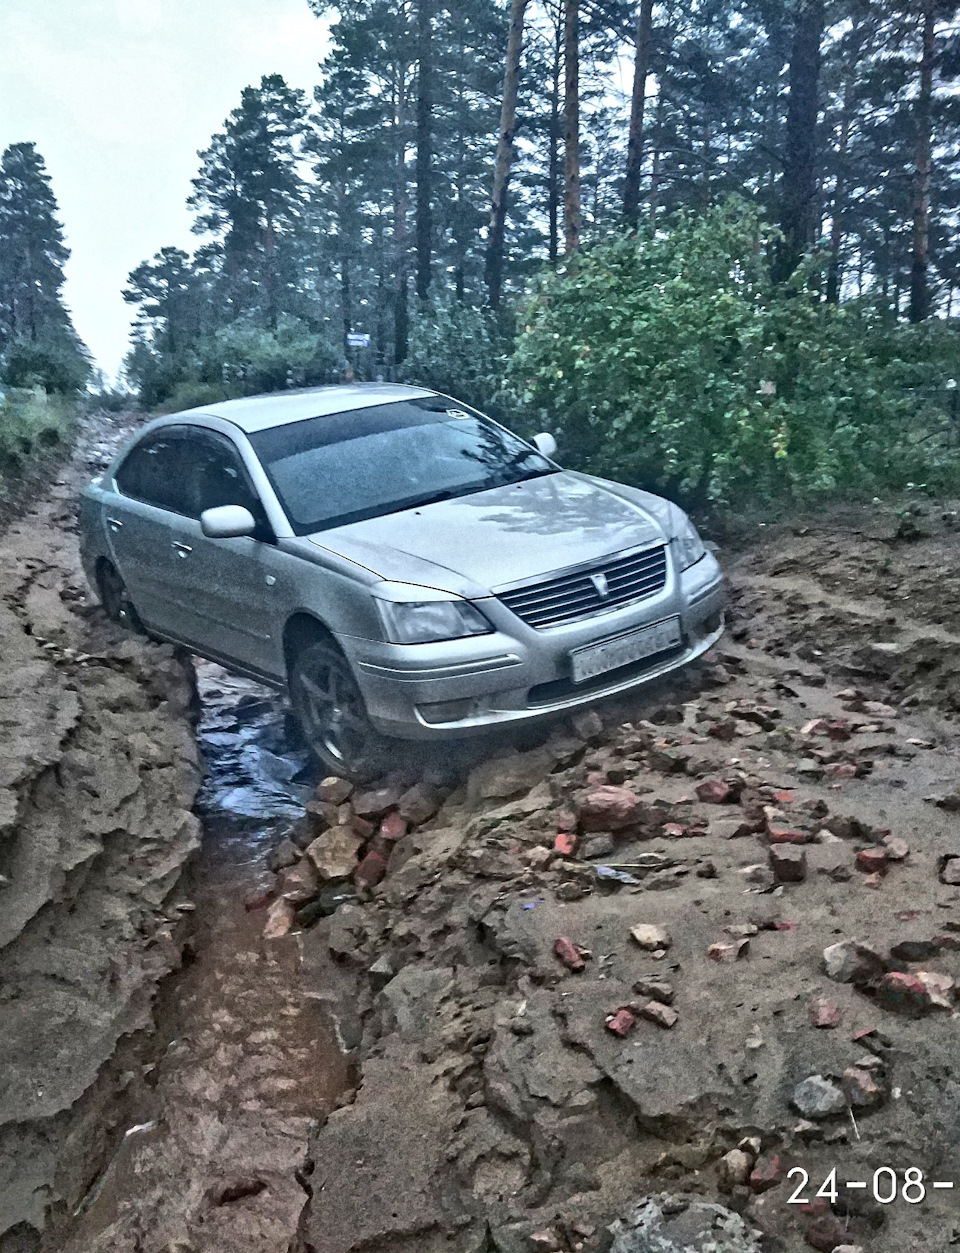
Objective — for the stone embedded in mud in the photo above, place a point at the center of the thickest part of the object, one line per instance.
(733, 1169)
(334, 789)
(767, 1173)
(788, 863)
(872, 861)
(299, 883)
(280, 919)
(538, 857)
(732, 828)
(651, 937)
(862, 1088)
(903, 994)
(285, 854)
(950, 871)
(370, 870)
(544, 1241)
(335, 852)
(717, 792)
(236, 1189)
(375, 802)
(915, 950)
(621, 1022)
(895, 848)
(825, 1233)
(655, 990)
(657, 1012)
(852, 962)
(940, 988)
(568, 953)
(823, 1013)
(725, 730)
(817, 1097)
(588, 725)
(599, 846)
(725, 952)
(610, 808)
(674, 1224)
(419, 803)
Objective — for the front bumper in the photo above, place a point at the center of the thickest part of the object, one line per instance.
(518, 673)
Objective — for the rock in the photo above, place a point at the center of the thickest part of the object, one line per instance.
(610, 808)
(732, 828)
(788, 863)
(418, 804)
(903, 994)
(363, 827)
(733, 1169)
(716, 792)
(285, 854)
(260, 896)
(656, 990)
(621, 1022)
(872, 861)
(381, 972)
(280, 919)
(650, 937)
(568, 953)
(817, 1097)
(335, 853)
(334, 790)
(895, 848)
(759, 875)
(598, 846)
(940, 989)
(236, 1189)
(950, 871)
(393, 827)
(544, 1241)
(728, 952)
(375, 802)
(862, 1088)
(823, 1013)
(725, 730)
(299, 883)
(662, 1015)
(848, 1248)
(950, 802)
(825, 1233)
(788, 835)
(588, 725)
(682, 1224)
(852, 962)
(538, 856)
(914, 950)
(319, 815)
(565, 843)
(767, 1173)
(370, 870)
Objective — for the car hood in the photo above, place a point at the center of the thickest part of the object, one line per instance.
(476, 544)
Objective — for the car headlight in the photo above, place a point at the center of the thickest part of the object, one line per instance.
(689, 545)
(426, 621)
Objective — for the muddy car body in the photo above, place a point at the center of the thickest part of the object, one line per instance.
(401, 564)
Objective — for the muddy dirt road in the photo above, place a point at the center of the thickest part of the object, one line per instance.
(600, 994)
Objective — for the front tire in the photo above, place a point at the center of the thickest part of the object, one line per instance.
(115, 598)
(333, 714)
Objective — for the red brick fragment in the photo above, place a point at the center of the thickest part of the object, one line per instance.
(786, 835)
(823, 1013)
(716, 792)
(370, 871)
(872, 861)
(568, 953)
(622, 1022)
(393, 827)
(767, 1173)
(565, 843)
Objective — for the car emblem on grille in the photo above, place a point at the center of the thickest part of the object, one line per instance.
(599, 581)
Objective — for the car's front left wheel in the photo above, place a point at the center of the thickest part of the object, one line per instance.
(333, 714)
(115, 598)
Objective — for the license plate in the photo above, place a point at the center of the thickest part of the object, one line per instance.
(633, 646)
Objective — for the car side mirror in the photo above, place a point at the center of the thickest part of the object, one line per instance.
(545, 443)
(227, 522)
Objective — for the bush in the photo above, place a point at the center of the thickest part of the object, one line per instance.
(55, 363)
(33, 426)
(461, 351)
(670, 359)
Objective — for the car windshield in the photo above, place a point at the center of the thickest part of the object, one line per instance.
(345, 467)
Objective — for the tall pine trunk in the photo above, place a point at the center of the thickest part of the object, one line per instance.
(919, 287)
(798, 190)
(571, 116)
(504, 158)
(835, 269)
(641, 69)
(401, 313)
(424, 223)
(553, 145)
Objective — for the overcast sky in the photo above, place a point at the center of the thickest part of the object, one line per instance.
(119, 95)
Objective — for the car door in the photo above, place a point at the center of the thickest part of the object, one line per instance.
(138, 519)
(227, 588)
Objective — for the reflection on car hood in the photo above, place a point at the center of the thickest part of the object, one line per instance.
(476, 544)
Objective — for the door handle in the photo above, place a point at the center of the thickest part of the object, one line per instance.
(182, 549)
(115, 524)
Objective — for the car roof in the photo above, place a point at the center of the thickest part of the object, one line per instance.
(258, 413)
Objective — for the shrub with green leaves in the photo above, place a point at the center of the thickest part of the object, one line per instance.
(460, 351)
(33, 426)
(669, 358)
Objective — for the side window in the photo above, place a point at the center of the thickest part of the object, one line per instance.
(155, 471)
(220, 478)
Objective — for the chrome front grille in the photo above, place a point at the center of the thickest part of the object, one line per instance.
(580, 593)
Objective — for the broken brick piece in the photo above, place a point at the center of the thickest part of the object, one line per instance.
(622, 1022)
(565, 843)
(766, 1174)
(370, 870)
(716, 792)
(823, 1013)
(568, 953)
(662, 1015)
(872, 861)
(393, 827)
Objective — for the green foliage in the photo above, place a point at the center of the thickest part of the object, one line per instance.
(33, 426)
(54, 362)
(670, 359)
(459, 350)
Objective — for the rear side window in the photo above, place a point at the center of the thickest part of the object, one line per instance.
(157, 471)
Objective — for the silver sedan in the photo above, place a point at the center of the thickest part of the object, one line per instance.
(400, 564)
